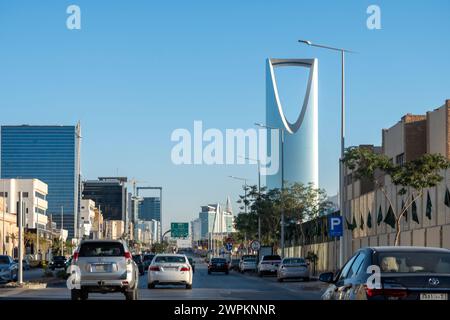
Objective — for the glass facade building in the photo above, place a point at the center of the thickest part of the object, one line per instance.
(150, 209)
(109, 195)
(50, 154)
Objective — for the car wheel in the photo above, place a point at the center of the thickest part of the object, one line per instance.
(151, 286)
(189, 286)
(75, 294)
(306, 279)
(131, 294)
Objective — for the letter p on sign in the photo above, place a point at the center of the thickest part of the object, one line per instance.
(335, 226)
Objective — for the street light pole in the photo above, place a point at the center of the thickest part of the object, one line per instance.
(342, 188)
(282, 183)
(20, 216)
(245, 200)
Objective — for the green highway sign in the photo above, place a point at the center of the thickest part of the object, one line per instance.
(179, 229)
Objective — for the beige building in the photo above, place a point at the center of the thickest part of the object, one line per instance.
(8, 231)
(411, 137)
(97, 230)
(114, 229)
(407, 140)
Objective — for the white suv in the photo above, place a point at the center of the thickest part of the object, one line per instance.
(268, 264)
(104, 266)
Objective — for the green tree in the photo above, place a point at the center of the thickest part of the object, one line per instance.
(412, 177)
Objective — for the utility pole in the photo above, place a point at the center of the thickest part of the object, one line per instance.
(4, 218)
(20, 221)
(62, 228)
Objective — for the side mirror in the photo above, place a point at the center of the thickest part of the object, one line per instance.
(326, 277)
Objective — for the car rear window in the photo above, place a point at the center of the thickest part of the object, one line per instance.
(101, 249)
(272, 257)
(170, 259)
(218, 260)
(414, 262)
(294, 261)
(250, 259)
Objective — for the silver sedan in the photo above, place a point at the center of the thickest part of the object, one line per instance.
(293, 268)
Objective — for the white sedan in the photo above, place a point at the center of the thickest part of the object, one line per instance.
(170, 269)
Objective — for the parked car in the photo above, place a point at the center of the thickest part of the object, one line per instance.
(192, 263)
(147, 260)
(57, 262)
(218, 265)
(406, 273)
(25, 264)
(137, 258)
(293, 268)
(170, 269)
(68, 263)
(234, 264)
(269, 264)
(8, 269)
(105, 266)
(248, 263)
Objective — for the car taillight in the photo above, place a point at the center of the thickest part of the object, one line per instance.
(154, 268)
(387, 293)
(184, 269)
(127, 255)
(75, 256)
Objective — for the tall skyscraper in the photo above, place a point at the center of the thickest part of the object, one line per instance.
(52, 155)
(301, 147)
(150, 209)
(110, 196)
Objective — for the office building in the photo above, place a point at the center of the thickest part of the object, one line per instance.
(150, 209)
(301, 147)
(109, 195)
(52, 155)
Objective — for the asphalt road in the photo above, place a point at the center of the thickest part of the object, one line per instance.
(217, 286)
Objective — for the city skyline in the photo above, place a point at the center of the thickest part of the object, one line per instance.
(112, 75)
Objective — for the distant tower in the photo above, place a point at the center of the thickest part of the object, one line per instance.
(229, 207)
(301, 150)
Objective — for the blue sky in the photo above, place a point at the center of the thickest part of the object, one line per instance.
(137, 70)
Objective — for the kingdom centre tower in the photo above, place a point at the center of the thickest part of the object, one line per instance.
(301, 150)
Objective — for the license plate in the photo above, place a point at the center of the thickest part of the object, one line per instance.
(100, 268)
(433, 296)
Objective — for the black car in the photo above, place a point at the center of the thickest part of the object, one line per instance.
(192, 263)
(392, 273)
(218, 265)
(147, 260)
(137, 258)
(58, 262)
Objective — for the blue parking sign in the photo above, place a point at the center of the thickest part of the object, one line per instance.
(229, 246)
(335, 226)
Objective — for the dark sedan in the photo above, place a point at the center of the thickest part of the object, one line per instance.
(392, 273)
(218, 265)
(192, 263)
(58, 262)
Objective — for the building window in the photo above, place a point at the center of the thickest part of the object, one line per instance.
(39, 210)
(24, 194)
(4, 194)
(400, 159)
(39, 195)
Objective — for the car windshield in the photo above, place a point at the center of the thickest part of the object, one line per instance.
(59, 258)
(414, 262)
(4, 260)
(101, 249)
(170, 259)
(294, 261)
(272, 257)
(218, 260)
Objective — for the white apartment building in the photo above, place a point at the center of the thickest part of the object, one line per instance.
(34, 193)
(87, 217)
